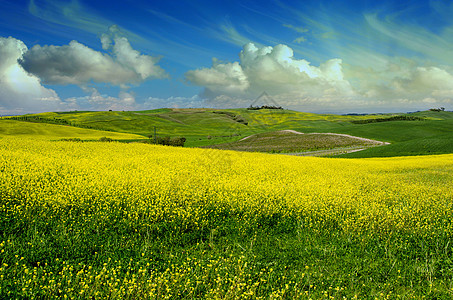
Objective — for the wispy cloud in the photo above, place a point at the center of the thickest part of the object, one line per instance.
(69, 14)
(79, 17)
(415, 38)
(226, 32)
(300, 40)
(295, 28)
(76, 17)
(233, 35)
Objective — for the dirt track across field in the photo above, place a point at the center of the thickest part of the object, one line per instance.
(333, 151)
(328, 152)
(329, 133)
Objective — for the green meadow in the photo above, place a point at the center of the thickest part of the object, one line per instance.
(428, 134)
(53, 132)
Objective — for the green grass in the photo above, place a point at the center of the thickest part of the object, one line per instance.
(197, 126)
(53, 132)
(439, 144)
(204, 127)
(436, 115)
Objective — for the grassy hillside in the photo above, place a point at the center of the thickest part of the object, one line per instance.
(198, 126)
(438, 144)
(52, 132)
(436, 115)
(205, 127)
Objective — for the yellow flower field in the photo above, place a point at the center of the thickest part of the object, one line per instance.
(112, 220)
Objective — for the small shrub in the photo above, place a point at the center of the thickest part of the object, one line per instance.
(167, 141)
(388, 119)
(163, 140)
(72, 140)
(105, 139)
(178, 142)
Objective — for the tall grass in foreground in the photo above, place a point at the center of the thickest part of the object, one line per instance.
(110, 220)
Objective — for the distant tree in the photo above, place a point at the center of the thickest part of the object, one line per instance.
(178, 142)
(167, 141)
(105, 139)
(264, 107)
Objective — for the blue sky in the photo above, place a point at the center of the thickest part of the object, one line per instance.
(317, 56)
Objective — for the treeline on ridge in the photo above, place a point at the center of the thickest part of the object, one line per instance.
(264, 107)
(56, 121)
(393, 118)
(167, 141)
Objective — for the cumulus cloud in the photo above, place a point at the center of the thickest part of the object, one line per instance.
(332, 86)
(19, 91)
(23, 72)
(273, 69)
(431, 79)
(220, 78)
(402, 77)
(78, 64)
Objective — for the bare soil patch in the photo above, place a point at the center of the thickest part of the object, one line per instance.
(290, 141)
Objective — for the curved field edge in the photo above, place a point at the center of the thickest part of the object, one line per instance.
(122, 221)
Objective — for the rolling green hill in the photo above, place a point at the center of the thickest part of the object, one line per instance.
(439, 144)
(202, 126)
(53, 132)
(429, 133)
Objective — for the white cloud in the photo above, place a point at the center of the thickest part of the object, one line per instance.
(97, 101)
(428, 79)
(22, 72)
(78, 64)
(21, 92)
(394, 84)
(223, 78)
(401, 77)
(413, 37)
(295, 28)
(300, 40)
(273, 69)
(224, 101)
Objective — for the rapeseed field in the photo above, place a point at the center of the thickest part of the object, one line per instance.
(133, 221)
